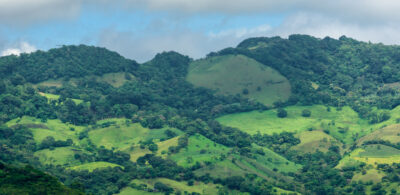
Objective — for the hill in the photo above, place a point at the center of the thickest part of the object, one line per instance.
(240, 75)
(273, 115)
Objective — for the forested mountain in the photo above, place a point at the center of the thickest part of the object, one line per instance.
(271, 116)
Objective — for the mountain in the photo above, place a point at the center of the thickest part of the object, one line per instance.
(271, 116)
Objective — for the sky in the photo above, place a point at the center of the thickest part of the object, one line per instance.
(139, 29)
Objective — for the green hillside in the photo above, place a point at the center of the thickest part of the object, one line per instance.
(233, 75)
(343, 124)
(272, 116)
(27, 180)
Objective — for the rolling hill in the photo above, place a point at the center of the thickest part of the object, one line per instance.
(300, 115)
(240, 75)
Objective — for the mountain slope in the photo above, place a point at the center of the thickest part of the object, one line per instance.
(240, 75)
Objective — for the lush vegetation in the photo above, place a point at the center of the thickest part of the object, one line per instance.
(272, 116)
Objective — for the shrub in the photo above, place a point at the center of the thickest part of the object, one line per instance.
(282, 113)
(306, 113)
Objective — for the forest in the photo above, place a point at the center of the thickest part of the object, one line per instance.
(85, 120)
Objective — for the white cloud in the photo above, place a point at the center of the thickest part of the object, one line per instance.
(23, 47)
(144, 46)
(353, 10)
(321, 26)
(24, 12)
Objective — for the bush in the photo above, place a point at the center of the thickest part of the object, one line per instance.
(163, 188)
(306, 113)
(282, 113)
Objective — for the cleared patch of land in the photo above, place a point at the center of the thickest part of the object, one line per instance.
(50, 97)
(390, 133)
(58, 156)
(54, 128)
(200, 149)
(343, 124)
(94, 165)
(370, 175)
(116, 79)
(311, 141)
(237, 74)
(182, 186)
(371, 154)
(122, 135)
(132, 191)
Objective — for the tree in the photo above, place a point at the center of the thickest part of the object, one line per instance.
(163, 187)
(281, 113)
(306, 113)
(153, 147)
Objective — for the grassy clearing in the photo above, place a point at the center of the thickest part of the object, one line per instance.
(344, 125)
(115, 79)
(123, 135)
(272, 160)
(371, 154)
(131, 191)
(263, 83)
(51, 83)
(370, 175)
(164, 145)
(55, 128)
(94, 165)
(200, 149)
(117, 136)
(50, 97)
(182, 186)
(221, 169)
(390, 133)
(58, 156)
(311, 141)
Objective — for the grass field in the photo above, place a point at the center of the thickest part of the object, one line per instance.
(232, 74)
(370, 175)
(115, 79)
(123, 136)
(56, 97)
(164, 145)
(344, 125)
(272, 160)
(311, 141)
(200, 149)
(131, 191)
(390, 133)
(58, 156)
(51, 83)
(221, 169)
(182, 186)
(372, 154)
(55, 128)
(93, 165)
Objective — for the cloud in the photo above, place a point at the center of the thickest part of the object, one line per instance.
(144, 46)
(22, 47)
(320, 25)
(24, 12)
(355, 9)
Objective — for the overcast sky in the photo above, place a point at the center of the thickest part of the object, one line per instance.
(138, 29)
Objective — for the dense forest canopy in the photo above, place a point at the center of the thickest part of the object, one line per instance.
(104, 124)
